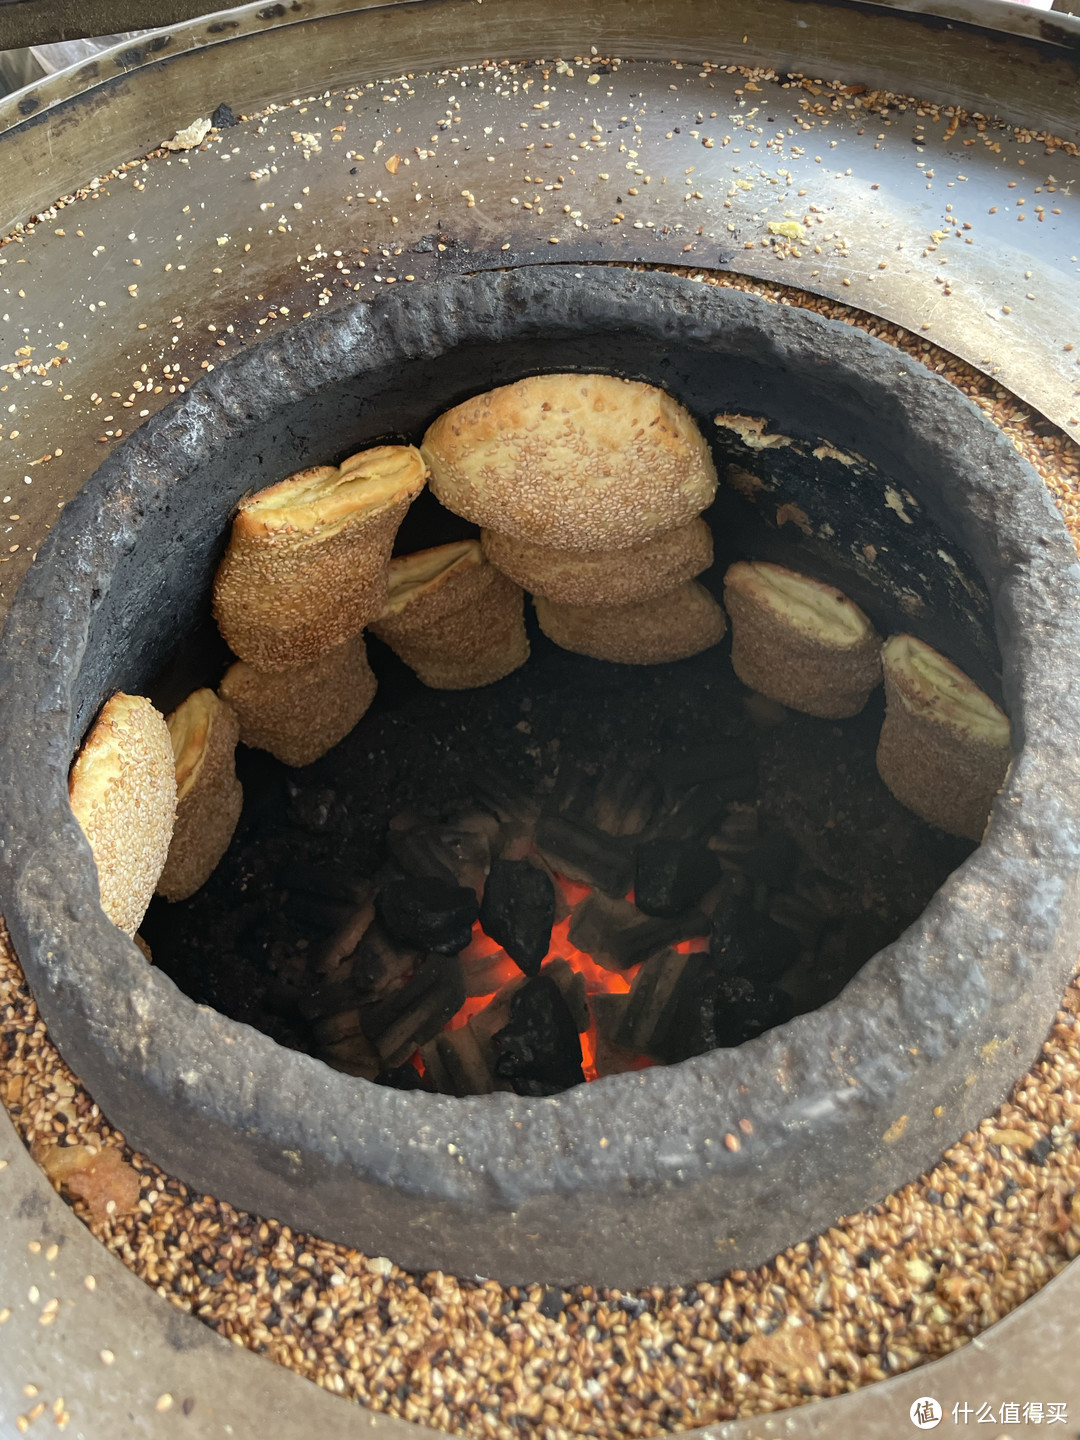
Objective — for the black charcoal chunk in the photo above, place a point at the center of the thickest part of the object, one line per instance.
(538, 1050)
(223, 117)
(402, 1077)
(746, 943)
(743, 1008)
(411, 1016)
(429, 913)
(672, 875)
(582, 852)
(518, 911)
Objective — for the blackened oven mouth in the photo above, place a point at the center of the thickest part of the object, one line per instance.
(582, 869)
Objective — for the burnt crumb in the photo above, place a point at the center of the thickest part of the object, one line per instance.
(552, 1304)
(223, 117)
(1041, 1149)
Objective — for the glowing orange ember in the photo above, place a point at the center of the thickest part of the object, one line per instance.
(487, 967)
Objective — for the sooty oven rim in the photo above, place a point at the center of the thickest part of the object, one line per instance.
(627, 1181)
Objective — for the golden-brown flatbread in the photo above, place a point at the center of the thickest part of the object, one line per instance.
(300, 714)
(669, 627)
(453, 618)
(575, 462)
(604, 577)
(306, 565)
(944, 747)
(122, 790)
(799, 641)
(204, 731)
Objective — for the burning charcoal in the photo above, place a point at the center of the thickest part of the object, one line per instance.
(403, 1077)
(414, 1014)
(429, 913)
(518, 910)
(743, 1009)
(727, 765)
(669, 1012)
(572, 988)
(671, 875)
(611, 1058)
(618, 936)
(624, 803)
(581, 852)
(486, 972)
(773, 861)
(538, 1050)
(442, 852)
(457, 1065)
